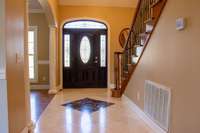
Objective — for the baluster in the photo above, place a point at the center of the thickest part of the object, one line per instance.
(120, 69)
(146, 14)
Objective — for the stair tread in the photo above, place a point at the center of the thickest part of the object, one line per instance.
(150, 21)
(138, 45)
(155, 3)
(144, 34)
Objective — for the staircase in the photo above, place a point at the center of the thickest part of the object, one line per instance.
(147, 15)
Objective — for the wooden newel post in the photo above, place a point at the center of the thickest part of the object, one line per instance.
(117, 74)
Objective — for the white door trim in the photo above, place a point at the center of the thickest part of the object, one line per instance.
(3, 83)
(52, 60)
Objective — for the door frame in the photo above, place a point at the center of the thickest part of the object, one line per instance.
(103, 70)
(4, 127)
(61, 47)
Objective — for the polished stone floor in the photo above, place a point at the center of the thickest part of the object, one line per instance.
(117, 118)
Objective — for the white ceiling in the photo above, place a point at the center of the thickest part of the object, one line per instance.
(109, 3)
(34, 5)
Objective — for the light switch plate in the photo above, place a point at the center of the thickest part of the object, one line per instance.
(180, 24)
(18, 58)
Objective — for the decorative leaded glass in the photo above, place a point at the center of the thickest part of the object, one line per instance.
(103, 50)
(84, 24)
(85, 49)
(67, 50)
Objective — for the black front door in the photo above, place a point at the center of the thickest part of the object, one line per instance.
(84, 58)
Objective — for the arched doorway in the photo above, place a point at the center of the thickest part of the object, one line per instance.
(84, 54)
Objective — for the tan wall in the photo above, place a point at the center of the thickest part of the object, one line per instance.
(172, 59)
(116, 18)
(15, 40)
(39, 20)
(54, 8)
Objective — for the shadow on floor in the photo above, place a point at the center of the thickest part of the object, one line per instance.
(39, 101)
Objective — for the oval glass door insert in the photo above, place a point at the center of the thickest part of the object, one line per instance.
(85, 49)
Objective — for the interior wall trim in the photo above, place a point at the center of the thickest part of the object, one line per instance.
(142, 115)
(40, 87)
(43, 62)
(36, 11)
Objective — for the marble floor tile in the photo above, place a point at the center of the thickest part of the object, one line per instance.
(118, 118)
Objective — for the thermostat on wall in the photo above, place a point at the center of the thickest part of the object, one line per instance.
(180, 24)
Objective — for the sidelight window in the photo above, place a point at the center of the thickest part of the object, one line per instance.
(67, 50)
(103, 50)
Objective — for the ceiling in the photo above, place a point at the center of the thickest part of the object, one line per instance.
(109, 3)
(34, 5)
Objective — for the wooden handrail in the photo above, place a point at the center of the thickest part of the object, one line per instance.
(144, 22)
(134, 18)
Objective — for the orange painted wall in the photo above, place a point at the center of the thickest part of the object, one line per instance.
(15, 40)
(116, 18)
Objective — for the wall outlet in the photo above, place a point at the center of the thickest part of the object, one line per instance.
(138, 96)
(44, 78)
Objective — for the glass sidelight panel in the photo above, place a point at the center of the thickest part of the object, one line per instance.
(67, 50)
(85, 49)
(103, 50)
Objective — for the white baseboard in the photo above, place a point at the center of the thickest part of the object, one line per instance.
(29, 128)
(59, 88)
(39, 87)
(53, 91)
(25, 130)
(112, 86)
(143, 116)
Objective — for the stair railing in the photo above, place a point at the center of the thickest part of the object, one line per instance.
(144, 22)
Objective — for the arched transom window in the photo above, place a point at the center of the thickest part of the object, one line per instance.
(85, 24)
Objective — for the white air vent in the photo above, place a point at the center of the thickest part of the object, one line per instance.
(157, 103)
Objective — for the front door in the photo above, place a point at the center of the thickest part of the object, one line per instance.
(85, 58)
